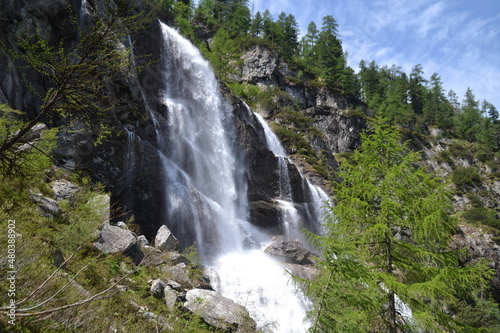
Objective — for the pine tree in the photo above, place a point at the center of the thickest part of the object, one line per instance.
(468, 120)
(417, 89)
(330, 55)
(288, 35)
(257, 25)
(386, 247)
(437, 109)
(308, 43)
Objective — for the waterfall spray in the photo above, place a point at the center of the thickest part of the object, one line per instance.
(206, 195)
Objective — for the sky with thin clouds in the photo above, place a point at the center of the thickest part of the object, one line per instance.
(458, 39)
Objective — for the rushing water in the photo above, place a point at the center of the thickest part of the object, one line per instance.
(206, 192)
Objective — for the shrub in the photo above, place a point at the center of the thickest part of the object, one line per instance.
(465, 177)
(460, 149)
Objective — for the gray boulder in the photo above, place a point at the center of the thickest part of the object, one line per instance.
(289, 251)
(63, 189)
(143, 240)
(113, 239)
(218, 311)
(157, 288)
(165, 240)
(48, 206)
(170, 297)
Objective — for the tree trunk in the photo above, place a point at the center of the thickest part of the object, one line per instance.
(391, 297)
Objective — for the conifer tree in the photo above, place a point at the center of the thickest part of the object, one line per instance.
(468, 120)
(386, 265)
(308, 44)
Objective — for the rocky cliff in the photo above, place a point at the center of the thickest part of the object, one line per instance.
(128, 163)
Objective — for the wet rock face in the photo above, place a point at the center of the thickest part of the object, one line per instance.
(289, 251)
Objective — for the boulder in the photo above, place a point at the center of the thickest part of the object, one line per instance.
(47, 205)
(63, 189)
(179, 273)
(165, 240)
(170, 297)
(174, 285)
(289, 251)
(265, 214)
(157, 288)
(113, 239)
(36, 132)
(143, 240)
(218, 311)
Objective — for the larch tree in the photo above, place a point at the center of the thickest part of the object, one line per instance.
(386, 264)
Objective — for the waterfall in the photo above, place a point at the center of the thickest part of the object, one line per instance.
(206, 192)
(202, 191)
(289, 214)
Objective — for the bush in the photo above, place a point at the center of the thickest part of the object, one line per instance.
(484, 216)
(466, 177)
(444, 156)
(460, 149)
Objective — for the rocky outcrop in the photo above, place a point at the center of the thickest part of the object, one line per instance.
(259, 65)
(218, 311)
(480, 245)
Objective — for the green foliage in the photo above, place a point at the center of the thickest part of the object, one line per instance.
(24, 157)
(223, 54)
(387, 238)
(465, 177)
(482, 215)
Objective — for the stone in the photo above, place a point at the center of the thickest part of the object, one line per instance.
(265, 213)
(47, 205)
(63, 189)
(180, 275)
(289, 251)
(143, 240)
(165, 240)
(170, 297)
(35, 132)
(113, 239)
(176, 258)
(174, 285)
(122, 225)
(218, 311)
(157, 288)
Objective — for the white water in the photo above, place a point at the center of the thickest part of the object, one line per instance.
(290, 216)
(206, 192)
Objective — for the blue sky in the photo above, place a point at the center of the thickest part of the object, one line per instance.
(458, 39)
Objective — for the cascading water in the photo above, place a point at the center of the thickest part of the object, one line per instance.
(206, 192)
(290, 216)
(202, 191)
